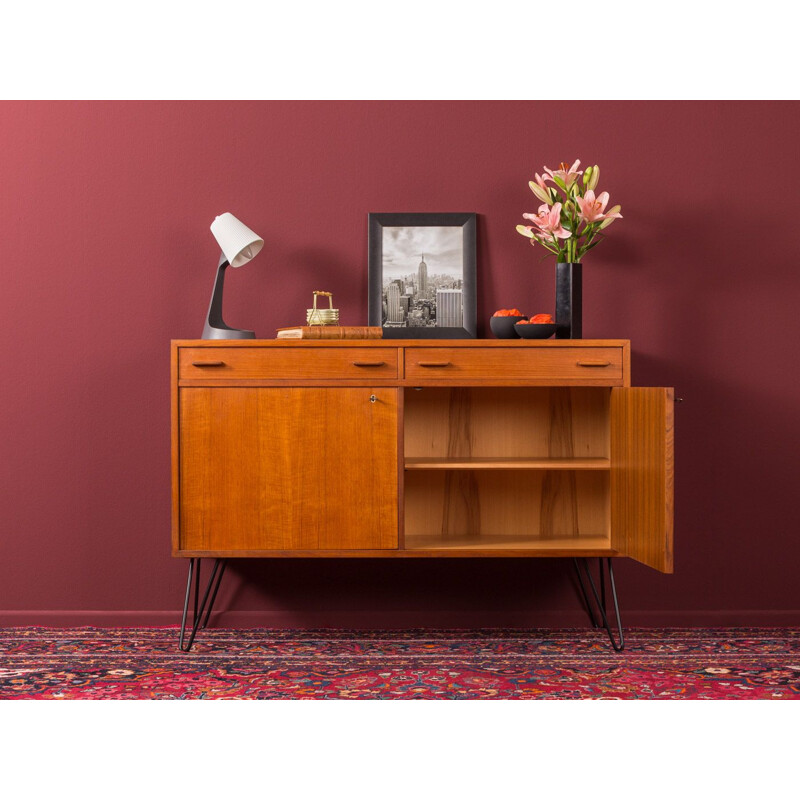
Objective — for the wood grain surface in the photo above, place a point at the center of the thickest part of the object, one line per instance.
(496, 449)
(339, 363)
(597, 366)
(434, 548)
(496, 504)
(642, 462)
(508, 463)
(288, 468)
(506, 423)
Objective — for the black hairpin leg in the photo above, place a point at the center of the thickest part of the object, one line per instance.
(600, 600)
(586, 602)
(203, 612)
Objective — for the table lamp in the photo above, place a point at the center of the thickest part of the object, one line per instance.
(239, 244)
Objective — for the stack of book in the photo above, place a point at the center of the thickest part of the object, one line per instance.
(331, 332)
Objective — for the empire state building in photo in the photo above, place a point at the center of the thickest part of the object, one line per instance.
(422, 278)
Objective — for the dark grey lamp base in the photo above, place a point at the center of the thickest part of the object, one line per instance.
(215, 327)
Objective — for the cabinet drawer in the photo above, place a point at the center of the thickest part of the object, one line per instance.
(590, 366)
(291, 363)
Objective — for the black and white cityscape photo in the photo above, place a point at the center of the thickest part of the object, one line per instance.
(422, 277)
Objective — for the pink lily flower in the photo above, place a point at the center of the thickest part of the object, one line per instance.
(592, 209)
(548, 221)
(567, 174)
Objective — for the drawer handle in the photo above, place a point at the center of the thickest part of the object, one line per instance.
(368, 363)
(594, 363)
(208, 363)
(433, 364)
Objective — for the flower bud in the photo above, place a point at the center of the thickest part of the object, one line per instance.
(594, 178)
(539, 192)
(587, 175)
(525, 231)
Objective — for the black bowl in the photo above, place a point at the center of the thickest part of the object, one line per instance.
(535, 331)
(503, 327)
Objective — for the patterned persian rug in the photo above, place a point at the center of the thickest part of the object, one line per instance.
(145, 663)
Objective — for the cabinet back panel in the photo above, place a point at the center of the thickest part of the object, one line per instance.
(570, 422)
(496, 504)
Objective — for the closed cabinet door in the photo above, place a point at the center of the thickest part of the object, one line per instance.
(288, 468)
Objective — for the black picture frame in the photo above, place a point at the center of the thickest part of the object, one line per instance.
(467, 221)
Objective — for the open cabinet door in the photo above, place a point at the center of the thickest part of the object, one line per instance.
(642, 474)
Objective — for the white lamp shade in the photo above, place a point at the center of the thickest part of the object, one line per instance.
(237, 241)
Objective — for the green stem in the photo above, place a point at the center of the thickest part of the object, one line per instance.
(574, 228)
(590, 230)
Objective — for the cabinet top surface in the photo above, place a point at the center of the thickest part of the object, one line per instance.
(522, 343)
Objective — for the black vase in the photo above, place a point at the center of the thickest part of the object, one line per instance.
(569, 301)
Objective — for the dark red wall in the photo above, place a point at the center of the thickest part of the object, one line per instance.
(107, 256)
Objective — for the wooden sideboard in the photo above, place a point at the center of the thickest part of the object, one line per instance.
(417, 449)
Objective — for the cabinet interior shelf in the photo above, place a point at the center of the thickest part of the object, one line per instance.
(508, 463)
(598, 543)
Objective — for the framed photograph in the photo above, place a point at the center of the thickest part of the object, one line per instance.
(422, 275)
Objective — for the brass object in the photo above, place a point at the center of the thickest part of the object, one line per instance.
(322, 316)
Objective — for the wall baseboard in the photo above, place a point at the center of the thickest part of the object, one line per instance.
(769, 618)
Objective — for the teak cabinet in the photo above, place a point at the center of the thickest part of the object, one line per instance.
(415, 448)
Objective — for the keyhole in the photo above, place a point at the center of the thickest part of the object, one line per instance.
(372, 398)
